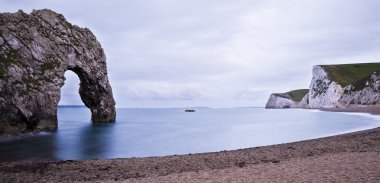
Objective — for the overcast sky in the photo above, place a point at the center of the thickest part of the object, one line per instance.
(216, 53)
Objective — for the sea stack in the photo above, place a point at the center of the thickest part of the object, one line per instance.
(35, 52)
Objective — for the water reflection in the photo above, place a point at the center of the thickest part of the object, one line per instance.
(41, 147)
(156, 132)
(92, 141)
(96, 141)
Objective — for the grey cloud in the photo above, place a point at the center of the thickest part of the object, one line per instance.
(162, 91)
(218, 52)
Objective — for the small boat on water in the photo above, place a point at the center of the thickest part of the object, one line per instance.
(189, 110)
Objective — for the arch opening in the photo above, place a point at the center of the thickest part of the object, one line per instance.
(70, 91)
(95, 93)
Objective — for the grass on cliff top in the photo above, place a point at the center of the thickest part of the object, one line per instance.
(346, 74)
(295, 95)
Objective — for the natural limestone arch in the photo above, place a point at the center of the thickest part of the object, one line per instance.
(35, 51)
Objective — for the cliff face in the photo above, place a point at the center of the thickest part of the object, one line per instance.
(368, 95)
(327, 93)
(323, 92)
(276, 101)
(291, 99)
(35, 51)
(337, 86)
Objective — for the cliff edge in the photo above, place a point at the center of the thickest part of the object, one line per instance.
(35, 51)
(291, 99)
(345, 85)
(340, 86)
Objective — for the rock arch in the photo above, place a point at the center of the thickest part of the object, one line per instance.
(35, 51)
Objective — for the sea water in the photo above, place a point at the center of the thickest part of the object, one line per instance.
(160, 132)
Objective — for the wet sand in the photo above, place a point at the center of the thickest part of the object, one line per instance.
(375, 109)
(353, 157)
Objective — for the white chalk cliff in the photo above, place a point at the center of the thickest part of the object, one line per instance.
(325, 92)
(285, 100)
(276, 101)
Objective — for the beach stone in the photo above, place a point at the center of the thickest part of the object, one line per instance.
(36, 50)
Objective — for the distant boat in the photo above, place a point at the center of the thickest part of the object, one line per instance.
(189, 110)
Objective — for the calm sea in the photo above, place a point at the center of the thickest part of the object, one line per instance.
(158, 132)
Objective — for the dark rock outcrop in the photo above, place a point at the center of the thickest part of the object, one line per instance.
(35, 51)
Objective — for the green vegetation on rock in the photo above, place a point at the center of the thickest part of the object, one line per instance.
(12, 57)
(3, 68)
(295, 95)
(48, 66)
(346, 74)
(30, 82)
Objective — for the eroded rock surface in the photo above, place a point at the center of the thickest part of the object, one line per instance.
(278, 101)
(291, 99)
(35, 51)
(327, 93)
(323, 93)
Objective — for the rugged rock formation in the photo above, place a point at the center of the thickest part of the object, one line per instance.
(328, 91)
(323, 92)
(35, 51)
(364, 92)
(291, 99)
(340, 86)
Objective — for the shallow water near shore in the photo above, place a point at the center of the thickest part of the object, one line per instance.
(159, 132)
